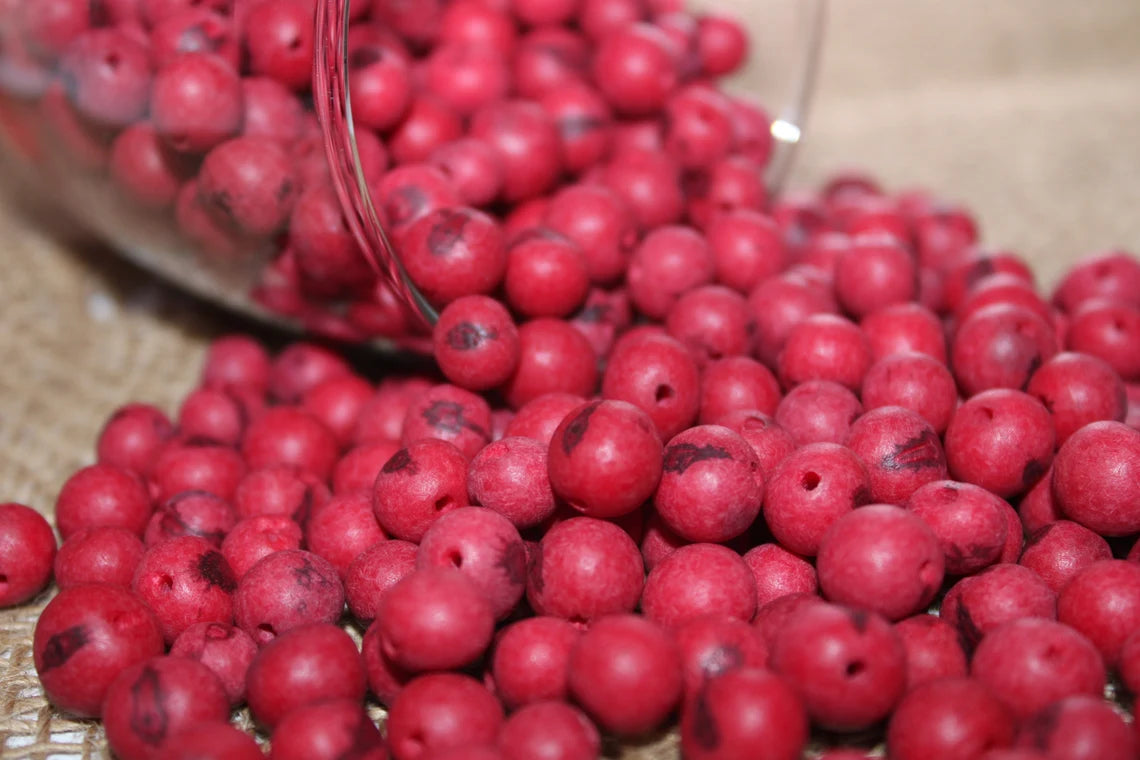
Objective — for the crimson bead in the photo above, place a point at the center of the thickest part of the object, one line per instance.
(913, 381)
(343, 528)
(337, 403)
(880, 558)
(279, 40)
(649, 183)
(583, 470)
(747, 248)
(1060, 550)
(969, 521)
(211, 415)
(531, 659)
(290, 436)
(810, 490)
(1000, 346)
(825, 347)
(434, 619)
(1079, 727)
(1001, 440)
(548, 58)
(599, 221)
(1096, 478)
(770, 441)
(483, 546)
(1102, 601)
(417, 485)
(585, 568)
(181, 467)
(185, 581)
(428, 124)
(27, 553)
(875, 271)
(191, 513)
(454, 252)
(272, 111)
(476, 344)
(780, 303)
(102, 495)
(901, 450)
(1078, 389)
(381, 87)
(949, 719)
(474, 168)
(722, 44)
(625, 672)
(151, 701)
(373, 572)
(713, 321)
(658, 375)
(668, 262)
(97, 555)
(933, 650)
(439, 712)
(584, 122)
(527, 140)
(227, 651)
(818, 411)
(711, 487)
(326, 731)
(1000, 594)
(108, 76)
(301, 367)
(133, 436)
(286, 590)
(84, 638)
(549, 729)
(196, 102)
(383, 417)
(1109, 274)
(744, 709)
(778, 572)
(699, 129)
(509, 477)
(308, 664)
(145, 169)
(212, 738)
(634, 68)
(699, 580)
(546, 275)
(1030, 663)
(279, 490)
(904, 328)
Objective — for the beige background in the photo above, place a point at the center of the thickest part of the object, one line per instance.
(1026, 110)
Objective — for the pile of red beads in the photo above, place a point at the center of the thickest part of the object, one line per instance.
(476, 121)
(600, 528)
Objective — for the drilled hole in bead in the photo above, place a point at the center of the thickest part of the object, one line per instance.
(854, 668)
(455, 558)
(664, 393)
(165, 583)
(266, 633)
(444, 502)
(810, 481)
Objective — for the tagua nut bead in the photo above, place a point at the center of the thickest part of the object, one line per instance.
(27, 553)
(740, 711)
(1096, 478)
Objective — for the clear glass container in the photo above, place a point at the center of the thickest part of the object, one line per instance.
(83, 128)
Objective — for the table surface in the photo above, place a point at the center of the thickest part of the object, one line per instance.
(1027, 111)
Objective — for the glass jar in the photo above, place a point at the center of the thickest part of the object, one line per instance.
(247, 149)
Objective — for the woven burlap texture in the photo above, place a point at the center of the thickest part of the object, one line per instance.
(1024, 110)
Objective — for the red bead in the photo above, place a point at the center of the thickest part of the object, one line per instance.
(227, 651)
(699, 580)
(342, 528)
(933, 650)
(669, 262)
(531, 659)
(549, 729)
(279, 490)
(1031, 663)
(248, 184)
(483, 546)
(914, 381)
(287, 590)
(211, 415)
(417, 485)
(279, 39)
(825, 347)
(1001, 440)
(778, 572)
(27, 553)
(970, 523)
(625, 672)
(216, 738)
(903, 328)
(474, 168)
(373, 572)
(439, 712)
(711, 487)
(731, 184)
(326, 731)
(771, 442)
(954, 718)
(358, 468)
(466, 76)
(584, 123)
(848, 665)
(381, 87)
(102, 495)
(434, 619)
(236, 361)
(880, 558)
(818, 411)
(290, 436)
(272, 111)
(476, 344)
(196, 102)
(454, 252)
(301, 367)
(185, 581)
(1079, 727)
(699, 129)
(548, 58)
(740, 711)
(583, 569)
(600, 222)
(1000, 346)
(658, 375)
(133, 436)
(1102, 602)
(1060, 550)
(309, 664)
(713, 321)
(145, 169)
(509, 477)
(780, 303)
(1096, 478)
(584, 470)
(722, 44)
(451, 414)
(1112, 274)
(185, 466)
(635, 69)
(998, 595)
(477, 22)
(1078, 389)
(108, 76)
(527, 140)
(408, 193)
(546, 275)
(650, 185)
(714, 645)
(747, 248)
(84, 638)
(151, 701)
(194, 30)
(428, 123)
(97, 555)
(901, 450)
(809, 490)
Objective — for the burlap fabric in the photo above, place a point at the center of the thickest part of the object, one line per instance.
(1026, 110)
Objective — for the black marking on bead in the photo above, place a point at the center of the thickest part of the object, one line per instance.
(512, 561)
(576, 429)
(214, 569)
(578, 125)
(467, 336)
(447, 232)
(721, 659)
(705, 730)
(404, 204)
(62, 646)
(918, 453)
(449, 417)
(306, 575)
(401, 461)
(1032, 473)
(1039, 727)
(534, 569)
(968, 629)
(861, 496)
(859, 619)
(681, 456)
(148, 713)
(983, 267)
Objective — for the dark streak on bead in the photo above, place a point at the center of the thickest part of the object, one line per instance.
(399, 462)
(681, 456)
(919, 453)
(861, 496)
(448, 417)
(1040, 727)
(594, 313)
(512, 561)
(983, 267)
(214, 569)
(577, 428)
(447, 232)
(705, 731)
(1031, 473)
(466, 336)
(721, 659)
(859, 619)
(969, 630)
(60, 647)
(534, 569)
(579, 125)
(306, 575)
(148, 714)
(404, 204)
